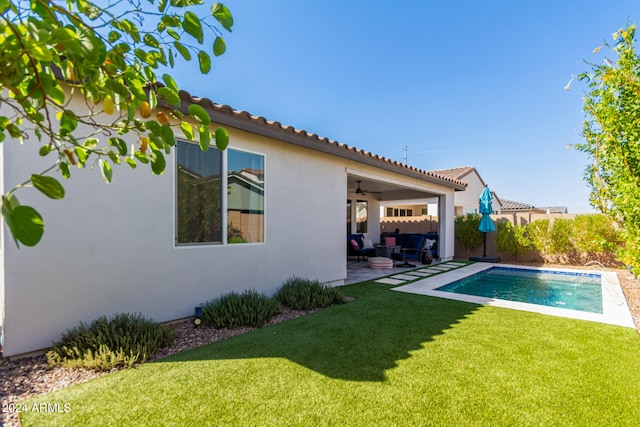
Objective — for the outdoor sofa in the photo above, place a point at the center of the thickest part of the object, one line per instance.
(413, 246)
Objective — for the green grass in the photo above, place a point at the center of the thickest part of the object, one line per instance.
(387, 358)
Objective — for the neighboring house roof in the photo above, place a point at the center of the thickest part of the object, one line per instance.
(249, 180)
(227, 116)
(458, 173)
(510, 205)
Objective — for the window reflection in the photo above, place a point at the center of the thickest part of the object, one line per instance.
(198, 216)
(245, 197)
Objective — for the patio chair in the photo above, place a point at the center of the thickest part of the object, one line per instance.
(356, 247)
(412, 248)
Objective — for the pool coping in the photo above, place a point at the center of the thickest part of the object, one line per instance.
(614, 305)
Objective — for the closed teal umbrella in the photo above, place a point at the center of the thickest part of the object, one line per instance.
(486, 209)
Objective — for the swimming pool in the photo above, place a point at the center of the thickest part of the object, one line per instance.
(614, 310)
(570, 290)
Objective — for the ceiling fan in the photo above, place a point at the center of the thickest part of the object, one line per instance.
(360, 190)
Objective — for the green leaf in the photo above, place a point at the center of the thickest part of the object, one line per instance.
(117, 87)
(219, 46)
(168, 136)
(149, 40)
(4, 6)
(41, 53)
(64, 35)
(205, 137)
(48, 186)
(199, 113)
(68, 122)
(205, 62)
(131, 29)
(142, 157)
(222, 15)
(135, 86)
(191, 24)
(173, 33)
(26, 226)
(105, 168)
(169, 95)
(131, 162)
(45, 149)
(170, 82)
(90, 143)
(24, 223)
(82, 155)
(119, 144)
(187, 129)
(114, 36)
(64, 169)
(158, 162)
(183, 50)
(222, 138)
(53, 89)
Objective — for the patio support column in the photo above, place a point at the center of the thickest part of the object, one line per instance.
(446, 226)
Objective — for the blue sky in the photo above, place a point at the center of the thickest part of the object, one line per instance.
(460, 83)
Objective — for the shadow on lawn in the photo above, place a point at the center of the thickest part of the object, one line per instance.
(356, 341)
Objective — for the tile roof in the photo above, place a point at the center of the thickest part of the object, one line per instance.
(227, 116)
(459, 173)
(510, 205)
(456, 173)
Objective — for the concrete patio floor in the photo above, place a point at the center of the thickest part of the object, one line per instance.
(359, 271)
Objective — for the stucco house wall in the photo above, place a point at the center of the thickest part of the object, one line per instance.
(467, 201)
(110, 248)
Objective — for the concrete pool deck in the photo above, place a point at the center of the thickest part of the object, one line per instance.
(614, 304)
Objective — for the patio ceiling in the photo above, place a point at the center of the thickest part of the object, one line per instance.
(384, 191)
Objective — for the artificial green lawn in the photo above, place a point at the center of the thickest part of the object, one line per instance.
(386, 358)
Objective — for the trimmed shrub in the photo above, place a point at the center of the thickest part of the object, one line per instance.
(109, 343)
(305, 294)
(467, 233)
(596, 236)
(233, 309)
(540, 233)
(512, 240)
(561, 233)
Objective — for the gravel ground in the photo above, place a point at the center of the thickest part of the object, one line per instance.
(24, 378)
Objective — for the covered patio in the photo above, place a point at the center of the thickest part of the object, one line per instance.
(366, 192)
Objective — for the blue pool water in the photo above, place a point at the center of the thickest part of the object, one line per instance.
(574, 291)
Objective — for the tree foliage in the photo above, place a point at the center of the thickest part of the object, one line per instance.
(612, 140)
(108, 56)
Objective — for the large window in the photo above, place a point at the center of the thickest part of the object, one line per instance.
(199, 200)
(245, 197)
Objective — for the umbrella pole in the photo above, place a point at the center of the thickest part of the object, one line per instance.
(484, 241)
